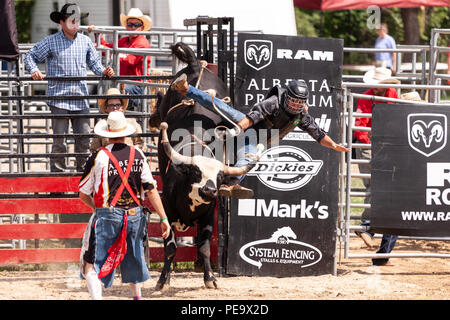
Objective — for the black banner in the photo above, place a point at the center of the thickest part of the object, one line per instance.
(9, 49)
(410, 170)
(289, 227)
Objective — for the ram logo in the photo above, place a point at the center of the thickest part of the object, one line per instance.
(258, 53)
(427, 132)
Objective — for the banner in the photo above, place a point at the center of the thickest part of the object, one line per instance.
(410, 170)
(289, 227)
(9, 49)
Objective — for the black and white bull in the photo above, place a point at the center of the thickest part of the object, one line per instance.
(190, 181)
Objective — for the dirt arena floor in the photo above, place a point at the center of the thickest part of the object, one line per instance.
(357, 279)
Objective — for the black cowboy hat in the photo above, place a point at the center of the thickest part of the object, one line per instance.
(57, 16)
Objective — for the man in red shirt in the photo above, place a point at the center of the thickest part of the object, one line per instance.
(374, 77)
(130, 64)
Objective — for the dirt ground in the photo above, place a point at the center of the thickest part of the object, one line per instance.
(357, 279)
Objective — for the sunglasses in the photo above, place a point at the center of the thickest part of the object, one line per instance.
(114, 106)
(134, 25)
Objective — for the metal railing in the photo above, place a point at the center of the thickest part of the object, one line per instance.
(347, 192)
(12, 121)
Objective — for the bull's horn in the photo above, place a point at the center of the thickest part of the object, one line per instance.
(237, 171)
(173, 155)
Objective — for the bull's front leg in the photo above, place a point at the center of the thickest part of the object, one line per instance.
(170, 249)
(205, 253)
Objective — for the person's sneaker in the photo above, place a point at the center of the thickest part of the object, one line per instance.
(237, 191)
(365, 237)
(180, 84)
(381, 262)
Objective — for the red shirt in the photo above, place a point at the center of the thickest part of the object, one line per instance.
(131, 65)
(365, 106)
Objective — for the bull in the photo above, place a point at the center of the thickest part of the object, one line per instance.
(190, 178)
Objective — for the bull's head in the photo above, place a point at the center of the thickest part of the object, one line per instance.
(211, 169)
(427, 132)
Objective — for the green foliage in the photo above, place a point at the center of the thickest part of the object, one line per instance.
(351, 26)
(23, 19)
(436, 17)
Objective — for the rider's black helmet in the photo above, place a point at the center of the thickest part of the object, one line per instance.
(296, 96)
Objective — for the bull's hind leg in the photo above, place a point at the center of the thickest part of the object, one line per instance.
(170, 249)
(205, 252)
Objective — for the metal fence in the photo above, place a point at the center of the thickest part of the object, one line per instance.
(25, 124)
(428, 83)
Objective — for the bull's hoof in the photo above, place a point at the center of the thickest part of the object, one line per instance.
(211, 284)
(163, 287)
(210, 281)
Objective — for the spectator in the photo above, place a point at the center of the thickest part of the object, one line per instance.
(67, 53)
(117, 175)
(130, 64)
(283, 109)
(385, 41)
(373, 77)
(115, 104)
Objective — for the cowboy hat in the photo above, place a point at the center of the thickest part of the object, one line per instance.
(112, 92)
(413, 96)
(67, 10)
(116, 126)
(379, 76)
(137, 14)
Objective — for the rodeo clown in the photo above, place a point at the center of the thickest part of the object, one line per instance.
(113, 185)
(282, 109)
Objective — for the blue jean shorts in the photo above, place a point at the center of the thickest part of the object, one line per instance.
(107, 228)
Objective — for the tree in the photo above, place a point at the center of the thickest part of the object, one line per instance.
(23, 10)
(406, 25)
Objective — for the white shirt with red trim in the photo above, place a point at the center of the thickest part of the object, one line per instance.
(101, 179)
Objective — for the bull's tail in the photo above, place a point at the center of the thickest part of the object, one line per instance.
(183, 52)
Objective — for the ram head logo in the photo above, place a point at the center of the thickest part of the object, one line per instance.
(427, 133)
(258, 53)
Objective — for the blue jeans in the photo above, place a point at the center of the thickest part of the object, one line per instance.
(387, 243)
(61, 126)
(250, 142)
(205, 100)
(135, 104)
(386, 246)
(107, 228)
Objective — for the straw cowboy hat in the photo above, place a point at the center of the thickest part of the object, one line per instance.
(112, 92)
(379, 75)
(116, 126)
(413, 96)
(137, 14)
(67, 10)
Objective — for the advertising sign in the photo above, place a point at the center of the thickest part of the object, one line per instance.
(288, 228)
(410, 170)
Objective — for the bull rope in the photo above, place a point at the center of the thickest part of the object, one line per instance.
(190, 102)
(197, 141)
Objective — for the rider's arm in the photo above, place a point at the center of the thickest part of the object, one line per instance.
(308, 124)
